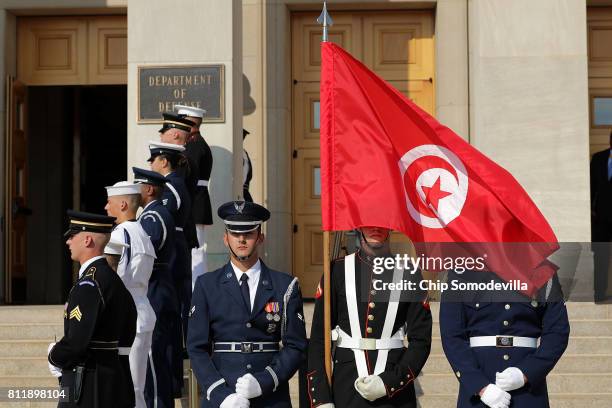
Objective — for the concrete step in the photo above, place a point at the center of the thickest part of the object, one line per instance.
(432, 384)
(31, 331)
(43, 380)
(32, 314)
(603, 400)
(24, 348)
(23, 366)
(584, 364)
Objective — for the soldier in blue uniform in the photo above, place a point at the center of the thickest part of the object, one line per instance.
(239, 314)
(165, 159)
(491, 342)
(159, 225)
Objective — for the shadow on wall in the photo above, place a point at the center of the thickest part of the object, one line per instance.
(220, 189)
(248, 104)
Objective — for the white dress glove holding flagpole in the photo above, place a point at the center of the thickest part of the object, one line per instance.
(55, 371)
(371, 387)
(495, 397)
(248, 387)
(235, 401)
(327, 405)
(510, 379)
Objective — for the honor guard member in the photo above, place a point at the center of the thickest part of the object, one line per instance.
(200, 157)
(501, 351)
(247, 170)
(239, 315)
(176, 130)
(372, 367)
(159, 225)
(165, 159)
(112, 253)
(99, 313)
(135, 266)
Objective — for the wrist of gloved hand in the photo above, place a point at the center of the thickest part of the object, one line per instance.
(235, 401)
(371, 387)
(55, 371)
(495, 397)
(248, 387)
(510, 379)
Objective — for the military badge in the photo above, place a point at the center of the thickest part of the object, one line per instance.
(271, 328)
(76, 313)
(272, 307)
(269, 316)
(239, 207)
(277, 318)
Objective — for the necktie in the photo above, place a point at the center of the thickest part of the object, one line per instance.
(244, 288)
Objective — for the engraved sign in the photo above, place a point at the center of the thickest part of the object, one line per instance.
(161, 88)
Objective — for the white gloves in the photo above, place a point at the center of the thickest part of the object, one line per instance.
(510, 379)
(235, 401)
(328, 405)
(248, 387)
(370, 387)
(55, 371)
(495, 397)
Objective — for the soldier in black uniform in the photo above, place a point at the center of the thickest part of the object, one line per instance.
(99, 316)
(200, 159)
(371, 365)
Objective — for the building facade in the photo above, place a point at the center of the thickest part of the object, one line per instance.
(527, 83)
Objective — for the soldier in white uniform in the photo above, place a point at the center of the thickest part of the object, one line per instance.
(135, 266)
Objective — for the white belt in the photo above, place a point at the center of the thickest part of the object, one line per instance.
(179, 228)
(124, 351)
(346, 341)
(503, 341)
(202, 183)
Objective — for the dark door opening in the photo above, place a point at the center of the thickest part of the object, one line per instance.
(77, 145)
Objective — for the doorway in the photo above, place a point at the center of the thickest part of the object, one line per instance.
(398, 46)
(77, 145)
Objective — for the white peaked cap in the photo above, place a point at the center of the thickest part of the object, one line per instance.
(190, 111)
(123, 188)
(115, 247)
(165, 146)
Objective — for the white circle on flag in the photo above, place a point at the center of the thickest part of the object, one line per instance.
(455, 185)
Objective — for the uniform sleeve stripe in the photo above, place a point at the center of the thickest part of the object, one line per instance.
(274, 377)
(176, 195)
(212, 387)
(161, 221)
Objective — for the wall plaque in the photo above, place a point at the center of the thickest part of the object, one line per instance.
(162, 87)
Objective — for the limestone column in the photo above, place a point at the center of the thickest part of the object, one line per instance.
(192, 32)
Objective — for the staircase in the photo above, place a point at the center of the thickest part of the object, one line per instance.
(582, 378)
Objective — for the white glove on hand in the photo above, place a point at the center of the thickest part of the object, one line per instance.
(495, 397)
(510, 379)
(248, 387)
(55, 371)
(235, 401)
(328, 405)
(370, 387)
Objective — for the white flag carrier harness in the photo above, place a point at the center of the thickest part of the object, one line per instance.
(355, 342)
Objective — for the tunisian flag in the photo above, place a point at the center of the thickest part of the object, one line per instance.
(386, 162)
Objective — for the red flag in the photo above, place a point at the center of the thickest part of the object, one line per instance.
(386, 162)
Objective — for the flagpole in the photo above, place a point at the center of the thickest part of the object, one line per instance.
(325, 20)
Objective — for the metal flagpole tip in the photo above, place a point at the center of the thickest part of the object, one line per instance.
(325, 20)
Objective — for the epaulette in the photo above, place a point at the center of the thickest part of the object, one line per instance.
(89, 278)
